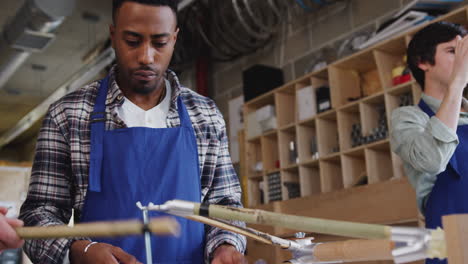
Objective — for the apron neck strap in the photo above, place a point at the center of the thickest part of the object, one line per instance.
(183, 114)
(425, 108)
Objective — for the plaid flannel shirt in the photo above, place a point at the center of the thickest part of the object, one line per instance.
(59, 179)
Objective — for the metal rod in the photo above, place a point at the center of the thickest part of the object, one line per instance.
(149, 257)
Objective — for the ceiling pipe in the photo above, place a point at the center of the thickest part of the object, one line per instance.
(30, 30)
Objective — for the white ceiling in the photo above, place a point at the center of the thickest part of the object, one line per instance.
(74, 39)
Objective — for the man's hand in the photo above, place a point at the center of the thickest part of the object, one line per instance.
(460, 65)
(99, 253)
(8, 236)
(227, 254)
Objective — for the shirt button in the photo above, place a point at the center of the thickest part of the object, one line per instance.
(119, 97)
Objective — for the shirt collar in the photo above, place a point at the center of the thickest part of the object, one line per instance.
(115, 95)
(434, 103)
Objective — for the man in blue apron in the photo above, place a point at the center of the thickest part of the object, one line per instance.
(432, 137)
(136, 135)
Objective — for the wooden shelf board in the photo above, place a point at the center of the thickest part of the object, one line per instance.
(362, 61)
(402, 88)
(308, 122)
(351, 107)
(355, 152)
(288, 128)
(272, 171)
(314, 163)
(262, 100)
(373, 145)
(329, 114)
(331, 157)
(320, 73)
(381, 144)
(257, 176)
(395, 45)
(291, 168)
(375, 98)
(288, 89)
(254, 139)
(270, 133)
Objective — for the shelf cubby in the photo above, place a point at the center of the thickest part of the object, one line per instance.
(354, 168)
(307, 135)
(290, 183)
(270, 151)
(388, 56)
(252, 127)
(352, 78)
(254, 158)
(398, 96)
(327, 133)
(379, 162)
(273, 186)
(309, 177)
(349, 124)
(286, 137)
(285, 101)
(374, 123)
(330, 174)
(255, 194)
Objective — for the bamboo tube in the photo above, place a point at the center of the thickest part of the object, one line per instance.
(307, 224)
(354, 250)
(160, 226)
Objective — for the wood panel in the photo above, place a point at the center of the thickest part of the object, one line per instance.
(386, 202)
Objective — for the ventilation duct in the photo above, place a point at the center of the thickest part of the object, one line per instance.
(30, 30)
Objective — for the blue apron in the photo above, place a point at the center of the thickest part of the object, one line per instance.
(149, 165)
(450, 192)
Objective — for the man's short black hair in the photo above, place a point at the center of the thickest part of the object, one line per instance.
(116, 4)
(422, 47)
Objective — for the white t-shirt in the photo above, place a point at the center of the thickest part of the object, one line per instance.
(134, 116)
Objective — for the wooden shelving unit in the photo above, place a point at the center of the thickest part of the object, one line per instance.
(337, 178)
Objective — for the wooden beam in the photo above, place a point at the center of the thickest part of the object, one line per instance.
(456, 237)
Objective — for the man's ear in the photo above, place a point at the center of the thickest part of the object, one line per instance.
(112, 34)
(176, 33)
(424, 66)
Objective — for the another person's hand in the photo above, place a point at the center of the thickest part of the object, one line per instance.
(227, 254)
(8, 236)
(99, 253)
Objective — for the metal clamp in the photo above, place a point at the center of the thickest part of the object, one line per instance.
(417, 243)
(303, 251)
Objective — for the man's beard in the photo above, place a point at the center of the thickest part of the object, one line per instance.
(143, 88)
